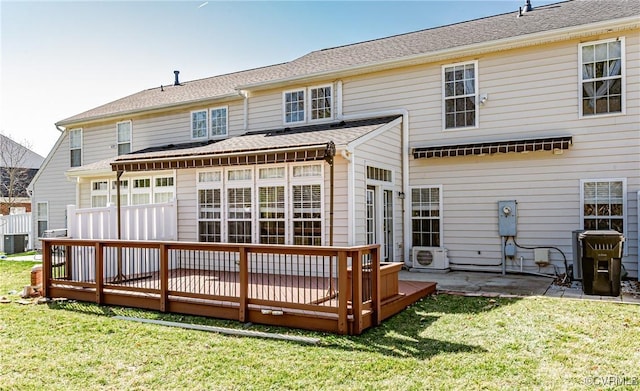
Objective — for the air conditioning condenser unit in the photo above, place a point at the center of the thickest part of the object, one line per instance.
(429, 259)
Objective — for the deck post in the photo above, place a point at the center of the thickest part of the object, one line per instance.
(68, 265)
(356, 295)
(375, 285)
(343, 287)
(46, 268)
(244, 284)
(164, 277)
(99, 259)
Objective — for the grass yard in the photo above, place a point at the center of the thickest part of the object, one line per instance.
(441, 342)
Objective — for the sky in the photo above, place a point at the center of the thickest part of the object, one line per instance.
(58, 59)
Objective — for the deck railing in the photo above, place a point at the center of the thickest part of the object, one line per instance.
(332, 289)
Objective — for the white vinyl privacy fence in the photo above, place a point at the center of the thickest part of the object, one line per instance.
(19, 224)
(138, 222)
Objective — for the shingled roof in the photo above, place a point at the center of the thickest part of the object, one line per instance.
(419, 44)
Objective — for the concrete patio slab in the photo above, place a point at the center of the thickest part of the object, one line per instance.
(486, 284)
(483, 283)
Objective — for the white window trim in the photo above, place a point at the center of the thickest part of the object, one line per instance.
(623, 86)
(113, 191)
(210, 128)
(80, 148)
(625, 215)
(442, 99)
(255, 183)
(206, 124)
(212, 186)
(130, 142)
(140, 190)
(273, 182)
(163, 189)
(100, 193)
(308, 103)
(39, 218)
(307, 180)
(440, 206)
(284, 106)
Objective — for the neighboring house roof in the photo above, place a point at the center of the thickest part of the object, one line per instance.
(424, 43)
(317, 137)
(15, 154)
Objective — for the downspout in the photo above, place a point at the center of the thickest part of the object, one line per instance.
(245, 95)
(347, 154)
(329, 157)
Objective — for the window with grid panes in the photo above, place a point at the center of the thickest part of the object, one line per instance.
(603, 205)
(460, 81)
(425, 216)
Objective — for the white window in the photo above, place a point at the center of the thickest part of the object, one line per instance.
(426, 216)
(123, 137)
(124, 192)
(75, 147)
(271, 214)
(460, 95)
(294, 106)
(42, 217)
(209, 186)
(219, 122)
(307, 214)
(99, 193)
(239, 216)
(163, 190)
(212, 123)
(141, 191)
(320, 102)
(199, 124)
(603, 204)
(270, 204)
(602, 77)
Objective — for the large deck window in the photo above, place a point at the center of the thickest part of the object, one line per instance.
(267, 204)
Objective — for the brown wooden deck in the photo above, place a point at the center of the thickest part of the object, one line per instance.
(341, 290)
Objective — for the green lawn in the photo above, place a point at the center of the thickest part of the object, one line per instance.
(441, 342)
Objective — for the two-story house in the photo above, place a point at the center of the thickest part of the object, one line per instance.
(422, 141)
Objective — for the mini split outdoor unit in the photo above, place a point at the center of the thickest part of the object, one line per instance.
(429, 258)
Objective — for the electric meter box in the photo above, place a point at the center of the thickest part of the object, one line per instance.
(507, 217)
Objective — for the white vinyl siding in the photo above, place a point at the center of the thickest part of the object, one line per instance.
(602, 81)
(123, 137)
(75, 147)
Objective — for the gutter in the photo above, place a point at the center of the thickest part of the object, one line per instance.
(518, 41)
(151, 109)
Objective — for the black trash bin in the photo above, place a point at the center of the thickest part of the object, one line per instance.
(601, 262)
